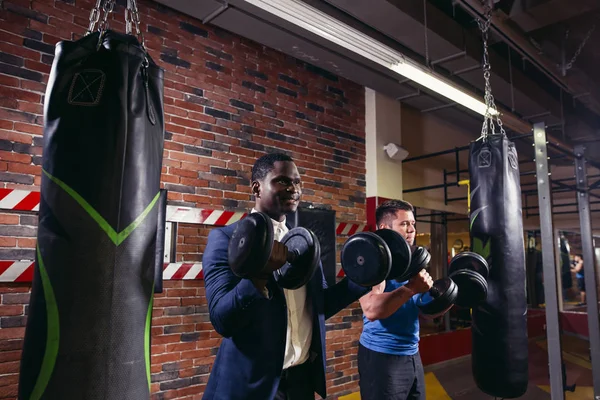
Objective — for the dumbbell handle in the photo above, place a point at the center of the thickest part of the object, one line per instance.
(291, 254)
(434, 292)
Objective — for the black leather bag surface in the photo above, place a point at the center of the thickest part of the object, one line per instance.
(88, 330)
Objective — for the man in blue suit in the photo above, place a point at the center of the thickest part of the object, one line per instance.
(273, 339)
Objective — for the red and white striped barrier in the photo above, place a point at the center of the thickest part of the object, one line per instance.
(21, 200)
(16, 271)
(203, 216)
(182, 271)
(24, 200)
(22, 271)
(347, 229)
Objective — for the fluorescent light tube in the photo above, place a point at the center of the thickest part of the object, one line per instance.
(439, 86)
(321, 24)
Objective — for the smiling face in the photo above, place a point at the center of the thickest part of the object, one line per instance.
(279, 192)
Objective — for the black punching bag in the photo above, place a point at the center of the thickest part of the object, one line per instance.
(88, 331)
(499, 325)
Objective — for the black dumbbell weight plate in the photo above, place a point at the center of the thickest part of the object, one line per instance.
(471, 261)
(366, 259)
(419, 260)
(441, 296)
(297, 273)
(472, 288)
(250, 245)
(400, 251)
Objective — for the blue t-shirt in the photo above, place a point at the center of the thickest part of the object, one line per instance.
(397, 334)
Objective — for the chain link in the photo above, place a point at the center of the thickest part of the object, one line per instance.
(578, 51)
(136, 20)
(108, 7)
(491, 112)
(94, 17)
(132, 18)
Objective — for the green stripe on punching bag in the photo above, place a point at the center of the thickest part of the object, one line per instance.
(52, 332)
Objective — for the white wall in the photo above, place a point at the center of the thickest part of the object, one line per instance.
(383, 126)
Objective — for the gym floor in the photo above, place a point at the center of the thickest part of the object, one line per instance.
(455, 381)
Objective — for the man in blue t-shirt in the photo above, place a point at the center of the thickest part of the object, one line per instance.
(389, 364)
(579, 274)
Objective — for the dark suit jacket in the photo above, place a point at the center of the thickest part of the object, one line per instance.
(250, 359)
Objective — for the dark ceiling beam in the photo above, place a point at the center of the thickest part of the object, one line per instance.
(445, 26)
(516, 38)
(535, 17)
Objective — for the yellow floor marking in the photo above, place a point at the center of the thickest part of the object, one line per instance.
(433, 389)
(351, 396)
(581, 392)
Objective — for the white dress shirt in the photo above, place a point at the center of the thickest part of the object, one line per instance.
(300, 323)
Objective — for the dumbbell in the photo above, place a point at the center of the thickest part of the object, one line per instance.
(466, 284)
(251, 245)
(369, 258)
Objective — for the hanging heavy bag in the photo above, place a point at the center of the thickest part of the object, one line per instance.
(88, 330)
(499, 325)
(565, 263)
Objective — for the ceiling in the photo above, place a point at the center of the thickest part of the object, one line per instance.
(527, 37)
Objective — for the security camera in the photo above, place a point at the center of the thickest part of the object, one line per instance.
(395, 152)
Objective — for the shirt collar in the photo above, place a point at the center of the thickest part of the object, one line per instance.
(276, 224)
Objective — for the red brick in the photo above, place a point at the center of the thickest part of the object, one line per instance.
(7, 356)
(181, 347)
(11, 310)
(158, 349)
(37, 66)
(15, 137)
(18, 94)
(8, 241)
(167, 302)
(195, 354)
(8, 391)
(19, 50)
(165, 358)
(183, 156)
(10, 81)
(15, 157)
(24, 169)
(7, 380)
(12, 333)
(166, 320)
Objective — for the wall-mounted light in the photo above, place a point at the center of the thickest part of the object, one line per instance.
(395, 152)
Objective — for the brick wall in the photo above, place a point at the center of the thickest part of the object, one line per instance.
(227, 100)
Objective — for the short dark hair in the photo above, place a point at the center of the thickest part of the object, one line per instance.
(386, 212)
(266, 163)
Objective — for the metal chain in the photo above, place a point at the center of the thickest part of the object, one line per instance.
(132, 17)
(491, 112)
(108, 7)
(94, 17)
(128, 18)
(578, 51)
